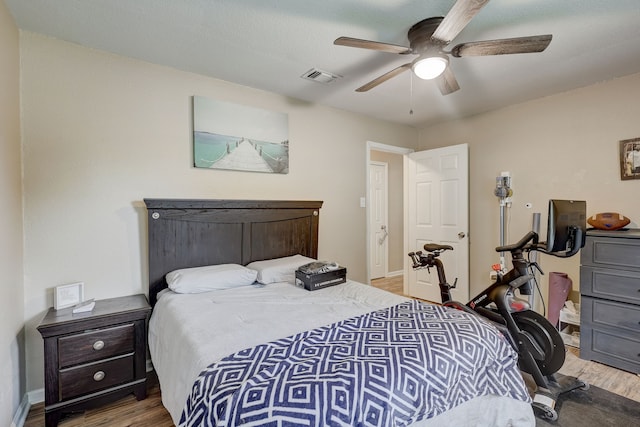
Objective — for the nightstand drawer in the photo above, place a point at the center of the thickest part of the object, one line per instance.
(96, 376)
(96, 345)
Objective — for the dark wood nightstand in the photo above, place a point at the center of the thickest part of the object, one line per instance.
(95, 357)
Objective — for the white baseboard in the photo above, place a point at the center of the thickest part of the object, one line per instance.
(395, 273)
(29, 399)
(21, 414)
(36, 396)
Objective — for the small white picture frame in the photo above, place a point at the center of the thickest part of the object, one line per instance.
(68, 295)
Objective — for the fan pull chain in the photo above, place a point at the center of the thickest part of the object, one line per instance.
(411, 95)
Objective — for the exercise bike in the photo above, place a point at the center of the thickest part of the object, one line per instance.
(541, 351)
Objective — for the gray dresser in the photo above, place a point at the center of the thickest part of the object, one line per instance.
(610, 298)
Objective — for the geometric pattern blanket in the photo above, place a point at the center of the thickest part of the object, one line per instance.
(390, 367)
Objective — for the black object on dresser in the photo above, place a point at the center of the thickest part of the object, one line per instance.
(95, 357)
(610, 298)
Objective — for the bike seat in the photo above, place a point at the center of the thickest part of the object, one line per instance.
(432, 247)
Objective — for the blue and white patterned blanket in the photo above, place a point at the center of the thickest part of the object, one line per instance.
(390, 367)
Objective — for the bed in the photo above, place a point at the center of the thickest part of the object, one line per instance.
(256, 353)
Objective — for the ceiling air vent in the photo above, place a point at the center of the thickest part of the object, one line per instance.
(319, 76)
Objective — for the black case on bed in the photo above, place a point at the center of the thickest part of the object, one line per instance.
(312, 282)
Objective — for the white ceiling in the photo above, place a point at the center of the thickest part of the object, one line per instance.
(269, 44)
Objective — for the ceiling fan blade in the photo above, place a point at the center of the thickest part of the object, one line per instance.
(383, 78)
(503, 46)
(458, 17)
(447, 82)
(368, 44)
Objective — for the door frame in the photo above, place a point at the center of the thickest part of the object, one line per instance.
(375, 146)
(385, 265)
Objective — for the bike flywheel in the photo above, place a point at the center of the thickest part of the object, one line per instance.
(546, 337)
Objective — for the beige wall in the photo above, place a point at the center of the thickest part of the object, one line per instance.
(395, 208)
(102, 132)
(12, 374)
(563, 146)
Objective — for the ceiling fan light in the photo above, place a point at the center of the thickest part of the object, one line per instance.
(430, 67)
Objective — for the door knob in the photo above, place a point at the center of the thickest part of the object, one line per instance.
(461, 235)
(386, 233)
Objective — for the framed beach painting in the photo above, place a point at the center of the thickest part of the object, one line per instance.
(237, 137)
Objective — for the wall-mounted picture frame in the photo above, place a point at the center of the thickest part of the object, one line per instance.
(237, 137)
(630, 159)
(65, 296)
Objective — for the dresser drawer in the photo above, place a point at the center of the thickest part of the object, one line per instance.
(622, 318)
(619, 285)
(95, 345)
(611, 348)
(611, 252)
(95, 376)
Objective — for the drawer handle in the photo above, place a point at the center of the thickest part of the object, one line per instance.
(98, 376)
(98, 345)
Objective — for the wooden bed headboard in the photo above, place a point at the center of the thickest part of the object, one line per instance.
(186, 233)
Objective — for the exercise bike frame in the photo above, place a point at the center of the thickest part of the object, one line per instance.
(540, 347)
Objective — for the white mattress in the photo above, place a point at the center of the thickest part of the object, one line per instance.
(188, 332)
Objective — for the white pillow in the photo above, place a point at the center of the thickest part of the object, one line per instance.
(279, 269)
(209, 278)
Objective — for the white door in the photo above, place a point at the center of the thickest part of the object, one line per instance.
(437, 211)
(378, 176)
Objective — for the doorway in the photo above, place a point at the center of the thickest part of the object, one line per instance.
(390, 259)
(378, 216)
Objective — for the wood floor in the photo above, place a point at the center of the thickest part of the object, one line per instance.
(150, 412)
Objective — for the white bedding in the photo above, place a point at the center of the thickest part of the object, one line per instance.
(188, 332)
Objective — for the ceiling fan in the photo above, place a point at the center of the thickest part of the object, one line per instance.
(428, 39)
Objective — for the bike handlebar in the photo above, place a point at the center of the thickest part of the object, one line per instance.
(531, 235)
(577, 241)
(577, 244)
